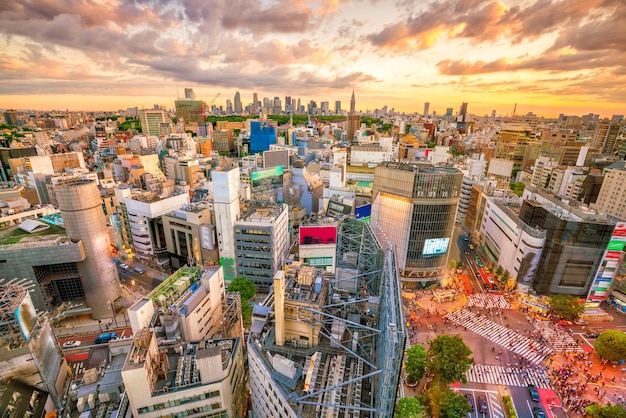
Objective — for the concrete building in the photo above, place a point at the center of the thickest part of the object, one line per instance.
(605, 137)
(261, 241)
(318, 243)
(81, 208)
(186, 358)
(320, 350)
(141, 214)
(190, 235)
(612, 196)
(414, 207)
(576, 239)
(226, 206)
(151, 120)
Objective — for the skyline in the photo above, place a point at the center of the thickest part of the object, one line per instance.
(549, 57)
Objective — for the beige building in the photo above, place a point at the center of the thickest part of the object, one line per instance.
(612, 197)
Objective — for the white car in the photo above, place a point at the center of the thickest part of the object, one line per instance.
(125, 266)
(71, 343)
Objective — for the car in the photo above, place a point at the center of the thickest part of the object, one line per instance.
(534, 393)
(538, 412)
(480, 264)
(592, 333)
(581, 322)
(125, 266)
(487, 270)
(71, 343)
(106, 337)
(139, 270)
(482, 405)
(470, 400)
(471, 246)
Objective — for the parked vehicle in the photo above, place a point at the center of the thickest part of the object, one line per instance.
(125, 266)
(106, 337)
(139, 270)
(482, 405)
(71, 343)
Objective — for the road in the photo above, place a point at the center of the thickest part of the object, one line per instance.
(143, 282)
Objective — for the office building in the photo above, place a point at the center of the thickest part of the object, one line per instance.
(151, 120)
(463, 113)
(575, 242)
(612, 195)
(226, 206)
(305, 358)
(237, 103)
(414, 207)
(426, 108)
(261, 241)
(255, 103)
(189, 108)
(10, 117)
(338, 106)
(190, 235)
(605, 137)
(262, 135)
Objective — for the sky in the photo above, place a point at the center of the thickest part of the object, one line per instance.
(548, 57)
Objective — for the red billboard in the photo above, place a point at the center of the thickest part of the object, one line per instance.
(318, 235)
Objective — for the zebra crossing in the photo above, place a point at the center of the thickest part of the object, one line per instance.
(509, 376)
(495, 407)
(557, 337)
(499, 334)
(488, 300)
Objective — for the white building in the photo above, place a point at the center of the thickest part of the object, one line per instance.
(226, 207)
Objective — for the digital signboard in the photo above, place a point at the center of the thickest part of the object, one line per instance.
(272, 177)
(318, 235)
(436, 246)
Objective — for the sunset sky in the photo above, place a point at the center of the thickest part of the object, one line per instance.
(549, 57)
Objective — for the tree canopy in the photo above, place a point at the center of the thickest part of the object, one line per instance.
(415, 363)
(566, 306)
(517, 187)
(243, 286)
(445, 403)
(611, 345)
(449, 359)
(607, 411)
(409, 408)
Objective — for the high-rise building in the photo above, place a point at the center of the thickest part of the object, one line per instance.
(463, 113)
(288, 107)
(325, 107)
(262, 135)
(237, 103)
(189, 108)
(605, 137)
(229, 107)
(352, 103)
(255, 103)
(414, 207)
(262, 242)
(10, 117)
(338, 106)
(81, 207)
(612, 196)
(299, 106)
(426, 108)
(354, 120)
(277, 107)
(151, 120)
(226, 206)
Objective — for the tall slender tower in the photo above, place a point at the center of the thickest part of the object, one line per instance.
(237, 103)
(352, 104)
(255, 103)
(81, 207)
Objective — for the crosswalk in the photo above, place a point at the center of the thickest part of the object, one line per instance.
(558, 338)
(499, 334)
(488, 300)
(495, 407)
(508, 376)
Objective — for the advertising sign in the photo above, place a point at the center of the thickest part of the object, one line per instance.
(26, 316)
(318, 235)
(436, 246)
(269, 178)
(606, 271)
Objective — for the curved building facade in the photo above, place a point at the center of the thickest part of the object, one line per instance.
(80, 205)
(414, 208)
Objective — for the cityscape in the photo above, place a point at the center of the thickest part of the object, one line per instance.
(312, 209)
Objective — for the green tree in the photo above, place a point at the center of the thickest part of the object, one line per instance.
(499, 270)
(449, 359)
(445, 403)
(409, 408)
(517, 187)
(566, 306)
(243, 286)
(611, 345)
(607, 411)
(415, 363)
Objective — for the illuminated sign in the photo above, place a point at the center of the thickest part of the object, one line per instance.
(436, 246)
(273, 177)
(606, 271)
(318, 235)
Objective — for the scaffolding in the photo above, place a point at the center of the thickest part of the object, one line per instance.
(12, 296)
(375, 341)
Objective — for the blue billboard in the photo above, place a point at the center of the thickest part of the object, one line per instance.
(436, 246)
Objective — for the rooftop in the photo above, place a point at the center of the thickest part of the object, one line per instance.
(49, 236)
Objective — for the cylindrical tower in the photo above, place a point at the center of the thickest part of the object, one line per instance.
(81, 207)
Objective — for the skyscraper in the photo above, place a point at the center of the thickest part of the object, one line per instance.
(81, 207)
(354, 120)
(338, 106)
(255, 103)
(414, 208)
(189, 109)
(426, 108)
(605, 137)
(237, 102)
(151, 120)
(288, 104)
(463, 113)
(352, 103)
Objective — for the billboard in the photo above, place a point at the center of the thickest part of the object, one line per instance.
(272, 177)
(337, 209)
(363, 212)
(435, 246)
(26, 316)
(318, 235)
(606, 272)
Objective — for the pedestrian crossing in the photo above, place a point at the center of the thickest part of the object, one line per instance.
(557, 337)
(508, 376)
(488, 300)
(501, 335)
(495, 407)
